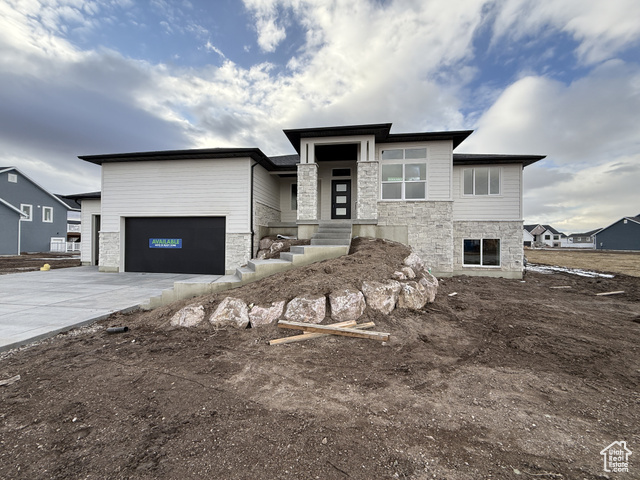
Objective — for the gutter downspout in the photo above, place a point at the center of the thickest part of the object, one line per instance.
(19, 233)
(253, 233)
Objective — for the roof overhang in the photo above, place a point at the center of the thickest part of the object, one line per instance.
(195, 154)
(379, 130)
(85, 196)
(480, 159)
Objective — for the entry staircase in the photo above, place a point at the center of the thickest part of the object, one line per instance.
(332, 240)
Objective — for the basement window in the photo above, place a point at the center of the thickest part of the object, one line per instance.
(481, 252)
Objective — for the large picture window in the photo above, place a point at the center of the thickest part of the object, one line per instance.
(404, 174)
(481, 252)
(481, 181)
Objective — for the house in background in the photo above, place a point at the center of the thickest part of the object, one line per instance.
(74, 218)
(621, 235)
(544, 235)
(527, 238)
(461, 213)
(30, 216)
(580, 240)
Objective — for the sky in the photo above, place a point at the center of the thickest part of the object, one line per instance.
(559, 78)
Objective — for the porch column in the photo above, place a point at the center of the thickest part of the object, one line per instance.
(307, 191)
(368, 185)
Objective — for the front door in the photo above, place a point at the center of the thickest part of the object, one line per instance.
(341, 199)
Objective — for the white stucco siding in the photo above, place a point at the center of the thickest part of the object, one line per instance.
(266, 187)
(177, 188)
(88, 210)
(505, 206)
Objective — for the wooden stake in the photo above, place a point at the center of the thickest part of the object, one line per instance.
(309, 336)
(346, 332)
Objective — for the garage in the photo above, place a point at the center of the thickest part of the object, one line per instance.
(175, 245)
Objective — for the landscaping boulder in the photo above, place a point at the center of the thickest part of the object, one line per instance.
(276, 247)
(382, 296)
(346, 304)
(412, 296)
(415, 263)
(232, 312)
(399, 276)
(189, 316)
(308, 309)
(408, 271)
(265, 243)
(259, 316)
(430, 283)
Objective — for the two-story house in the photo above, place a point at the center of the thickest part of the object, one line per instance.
(544, 235)
(462, 213)
(30, 216)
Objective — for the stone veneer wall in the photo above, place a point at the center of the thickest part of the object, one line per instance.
(262, 215)
(237, 251)
(307, 191)
(511, 247)
(109, 260)
(367, 191)
(430, 230)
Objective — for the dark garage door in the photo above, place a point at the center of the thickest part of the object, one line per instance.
(175, 245)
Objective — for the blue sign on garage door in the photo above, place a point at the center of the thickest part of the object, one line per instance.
(175, 245)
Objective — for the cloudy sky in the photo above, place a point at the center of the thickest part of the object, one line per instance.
(553, 77)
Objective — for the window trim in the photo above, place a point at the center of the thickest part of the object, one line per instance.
(482, 239)
(30, 216)
(44, 210)
(405, 161)
(488, 194)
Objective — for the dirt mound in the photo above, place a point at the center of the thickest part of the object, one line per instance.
(368, 259)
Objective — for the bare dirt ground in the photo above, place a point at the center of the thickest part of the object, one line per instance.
(29, 262)
(602, 261)
(505, 379)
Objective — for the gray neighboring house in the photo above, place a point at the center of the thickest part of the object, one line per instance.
(581, 240)
(30, 216)
(205, 210)
(621, 235)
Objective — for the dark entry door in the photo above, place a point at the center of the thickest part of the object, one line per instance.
(175, 245)
(96, 239)
(341, 199)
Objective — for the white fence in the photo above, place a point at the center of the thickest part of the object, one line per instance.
(60, 245)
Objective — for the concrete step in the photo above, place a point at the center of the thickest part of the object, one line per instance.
(341, 235)
(330, 241)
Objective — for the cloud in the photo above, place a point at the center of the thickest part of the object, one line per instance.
(270, 34)
(602, 29)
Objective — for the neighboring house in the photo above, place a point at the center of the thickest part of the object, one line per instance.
(30, 216)
(74, 217)
(581, 240)
(204, 211)
(527, 238)
(621, 235)
(544, 235)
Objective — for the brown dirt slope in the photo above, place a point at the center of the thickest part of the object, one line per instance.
(506, 379)
(28, 262)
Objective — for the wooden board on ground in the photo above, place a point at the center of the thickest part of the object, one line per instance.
(309, 336)
(347, 332)
(609, 293)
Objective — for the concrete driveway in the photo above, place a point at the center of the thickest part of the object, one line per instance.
(37, 305)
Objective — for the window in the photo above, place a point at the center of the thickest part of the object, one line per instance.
(294, 196)
(27, 210)
(481, 253)
(47, 214)
(481, 181)
(404, 176)
(547, 237)
(556, 237)
(12, 177)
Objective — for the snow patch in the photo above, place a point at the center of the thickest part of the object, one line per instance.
(532, 267)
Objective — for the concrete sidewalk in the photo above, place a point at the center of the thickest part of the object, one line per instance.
(37, 305)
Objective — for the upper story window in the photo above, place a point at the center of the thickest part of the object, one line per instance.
(27, 210)
(47, 214)
(404, 174)
(12, 177)
(481, 181)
